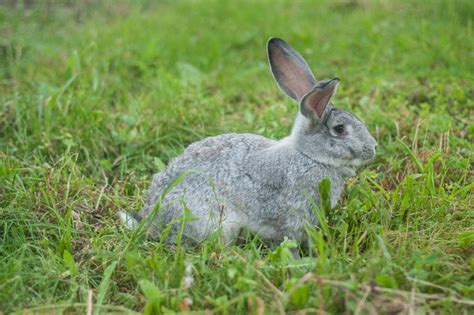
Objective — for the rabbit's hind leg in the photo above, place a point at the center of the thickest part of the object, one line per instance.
(230, 227)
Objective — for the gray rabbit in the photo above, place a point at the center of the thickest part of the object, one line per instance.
(233, 182)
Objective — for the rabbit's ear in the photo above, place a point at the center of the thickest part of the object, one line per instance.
(289, 69)
(314, 102)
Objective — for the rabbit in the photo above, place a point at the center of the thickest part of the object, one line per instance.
(233, 182)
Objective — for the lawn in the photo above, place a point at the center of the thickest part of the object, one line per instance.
(96, 96)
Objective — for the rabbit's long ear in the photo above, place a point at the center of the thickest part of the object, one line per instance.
(289, 69)
(314, 102)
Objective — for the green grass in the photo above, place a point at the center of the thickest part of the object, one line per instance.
(96, 97)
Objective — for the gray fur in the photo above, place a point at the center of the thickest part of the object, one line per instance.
(247, 181)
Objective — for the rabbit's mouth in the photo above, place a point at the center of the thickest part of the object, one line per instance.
(358, 162)
(367, 155)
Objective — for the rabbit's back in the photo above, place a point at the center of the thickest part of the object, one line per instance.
(217, 152)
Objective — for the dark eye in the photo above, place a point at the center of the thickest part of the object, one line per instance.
(340, 130)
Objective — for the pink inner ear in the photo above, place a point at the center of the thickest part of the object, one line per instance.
(291, 74)
(317, 101)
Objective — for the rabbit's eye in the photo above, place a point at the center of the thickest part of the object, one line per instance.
(340, 130)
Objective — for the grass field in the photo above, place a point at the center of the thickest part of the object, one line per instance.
(97, 96)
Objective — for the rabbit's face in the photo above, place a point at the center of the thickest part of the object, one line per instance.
(352, 142)
(338, 139)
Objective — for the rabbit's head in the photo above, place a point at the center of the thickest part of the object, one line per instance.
(321, 132)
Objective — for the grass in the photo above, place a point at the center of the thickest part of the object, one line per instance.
(97, 96)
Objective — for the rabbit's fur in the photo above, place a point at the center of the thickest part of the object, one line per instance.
(246, 181)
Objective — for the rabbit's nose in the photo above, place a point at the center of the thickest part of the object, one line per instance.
(374, 142)
(374, 145)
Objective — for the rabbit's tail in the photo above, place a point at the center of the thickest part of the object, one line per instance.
(130, 220)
